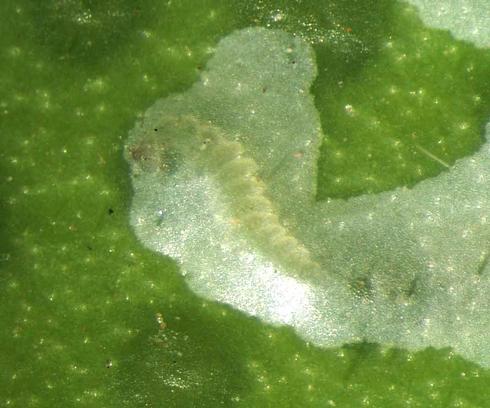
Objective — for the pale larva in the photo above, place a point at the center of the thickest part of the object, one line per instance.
(206, 149)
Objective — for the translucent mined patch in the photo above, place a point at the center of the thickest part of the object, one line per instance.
(465, 19)
(223, 178)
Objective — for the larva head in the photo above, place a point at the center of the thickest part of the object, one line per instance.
(189, 137)
(173, 141)
(147, 154)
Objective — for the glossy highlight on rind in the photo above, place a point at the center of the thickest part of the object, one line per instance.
(223, 177)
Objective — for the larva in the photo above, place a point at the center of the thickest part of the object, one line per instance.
(208, 149)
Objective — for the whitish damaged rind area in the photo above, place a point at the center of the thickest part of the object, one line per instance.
(465, 19)
(223, 177)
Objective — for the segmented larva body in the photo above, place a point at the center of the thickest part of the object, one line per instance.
(252, 210)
